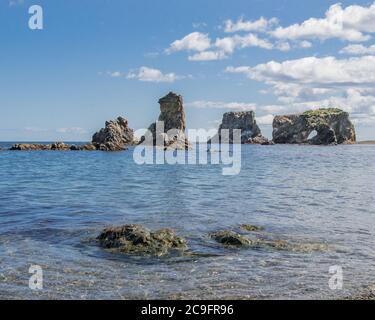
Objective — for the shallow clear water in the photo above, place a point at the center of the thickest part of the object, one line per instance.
(52, 204)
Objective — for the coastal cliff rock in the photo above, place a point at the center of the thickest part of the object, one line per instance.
(114, 137)
(245, 121)
(135, 239)
(332, 126)
(171, 118)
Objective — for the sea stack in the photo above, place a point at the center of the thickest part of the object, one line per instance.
(244, 121)
(330, 126)
(116, 136)
(169, 130)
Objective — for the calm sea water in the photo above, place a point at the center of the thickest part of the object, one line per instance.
(52, 204)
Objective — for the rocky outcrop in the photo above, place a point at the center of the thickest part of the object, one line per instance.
(244, 121)
(169, 131)
(114, 137)
(135, 239)
(332, 126)
(57, 146)
(230, 238)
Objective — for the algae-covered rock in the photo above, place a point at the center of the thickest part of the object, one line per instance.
(230, 238)
(332, 126)
(136, 239)
(250, 228)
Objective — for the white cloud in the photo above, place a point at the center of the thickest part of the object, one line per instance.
(204, 104)
(265, 120)
(352, 23)
(208, 56)
(358, 49)
(152, 75)
(115, 74)
(13, 3)
(35, 129)
(259, 25)
(313, 70)
(312, 82)
(305, 44)
(72, 130)
(221, 48)
(198, 25)
(195, 41)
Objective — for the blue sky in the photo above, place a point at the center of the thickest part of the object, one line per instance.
(98, 59)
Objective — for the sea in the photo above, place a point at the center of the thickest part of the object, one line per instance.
(53, 205)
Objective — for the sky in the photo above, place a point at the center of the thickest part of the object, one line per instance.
(95, 60)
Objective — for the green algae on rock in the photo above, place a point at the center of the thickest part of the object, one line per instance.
(135, 239)
(250, 228)
(332, 126)
(230, 238)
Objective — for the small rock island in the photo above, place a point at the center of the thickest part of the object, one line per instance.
(331, 126)
(244, 121)
(328, 126)
(172, 115)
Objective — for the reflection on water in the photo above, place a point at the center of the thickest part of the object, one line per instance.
(52, 204)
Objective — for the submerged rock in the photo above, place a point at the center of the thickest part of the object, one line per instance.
(114, 137)
(244, 121)
(172, 118)
(249, 227)
(230, 238)
(139, 240)
(367, 293)
(262, 240)
(332, 126)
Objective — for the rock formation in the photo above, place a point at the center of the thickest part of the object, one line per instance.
(115, 136)
(135, 239)
(332, 126)
(57, 146)
(245, 121)
(230, 238)
(172, 119)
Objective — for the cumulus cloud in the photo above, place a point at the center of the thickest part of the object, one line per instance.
(260, 25)
(312, 82)
(195, 41)
(239, 106)
(265, 120)
(152, 75)
(313, 70)
(208, 50)
(352, 23)
(358, 49)
(208, 56)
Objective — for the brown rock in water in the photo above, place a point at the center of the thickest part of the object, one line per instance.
(139, 240)
(244, 121)
(114, 137)
(230, 238)
(172, 117)
(332, 126)
(57, 146)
